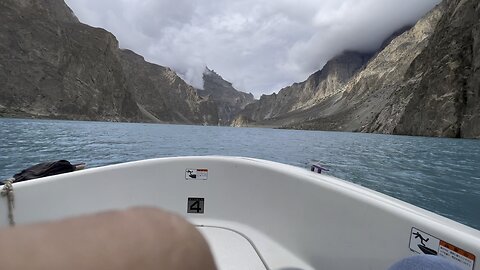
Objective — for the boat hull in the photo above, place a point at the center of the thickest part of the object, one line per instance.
(289, 217)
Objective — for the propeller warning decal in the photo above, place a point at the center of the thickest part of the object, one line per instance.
(424, 243)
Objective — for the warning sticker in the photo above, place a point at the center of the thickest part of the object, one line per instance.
(424, 243)
(196, 174)
(462, 258)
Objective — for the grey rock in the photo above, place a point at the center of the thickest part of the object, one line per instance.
(300, 97)
(373, 100)
(425, 82)
(445, 78)
(229, 100)
(163, 96)
(241, 121)
(53, 66)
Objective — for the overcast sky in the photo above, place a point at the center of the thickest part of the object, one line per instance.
(260, 46)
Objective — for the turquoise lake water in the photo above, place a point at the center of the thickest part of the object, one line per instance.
(441, 175)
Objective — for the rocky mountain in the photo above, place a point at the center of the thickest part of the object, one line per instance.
(423, 82)
(229, 100)
(302, 96)
(47, 68)
(443, 82)
(378, 84)
(53, 66)
(162, 96)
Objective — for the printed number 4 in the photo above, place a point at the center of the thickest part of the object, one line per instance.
(196, 207)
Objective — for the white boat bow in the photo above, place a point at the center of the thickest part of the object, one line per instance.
(256, 214)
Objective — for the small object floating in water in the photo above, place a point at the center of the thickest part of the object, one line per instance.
(318, 168)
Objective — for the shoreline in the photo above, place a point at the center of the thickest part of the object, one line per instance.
(54, 118)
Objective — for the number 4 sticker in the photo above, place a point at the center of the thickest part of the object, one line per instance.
(196, 205)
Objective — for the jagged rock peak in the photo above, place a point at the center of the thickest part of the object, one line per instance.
(229, 100)
(212, 77)
(210, 72)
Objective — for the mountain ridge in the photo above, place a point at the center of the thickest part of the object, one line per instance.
(428, 90)
(320, 85)
(424, 80)
(53, 66)
(229, 100)
(450, 83)
(419, 83)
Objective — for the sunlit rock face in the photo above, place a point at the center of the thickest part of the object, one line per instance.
(302, 96)
(424, 82)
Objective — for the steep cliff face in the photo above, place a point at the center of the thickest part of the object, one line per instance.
(229, 100)
(301, 96)
(53, 66)
(162, 95)
(424, 82)
(375, 99)
(444, 80)
(55, 10)
(437, 93)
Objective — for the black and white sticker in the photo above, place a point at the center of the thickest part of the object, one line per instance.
(424, 243)
(196, 174)
(196, 205)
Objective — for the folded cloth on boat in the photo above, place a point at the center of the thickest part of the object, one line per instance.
(44, 169)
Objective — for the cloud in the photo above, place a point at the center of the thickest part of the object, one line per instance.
(258, 45)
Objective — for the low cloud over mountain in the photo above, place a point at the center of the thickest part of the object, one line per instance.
(260, 46)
